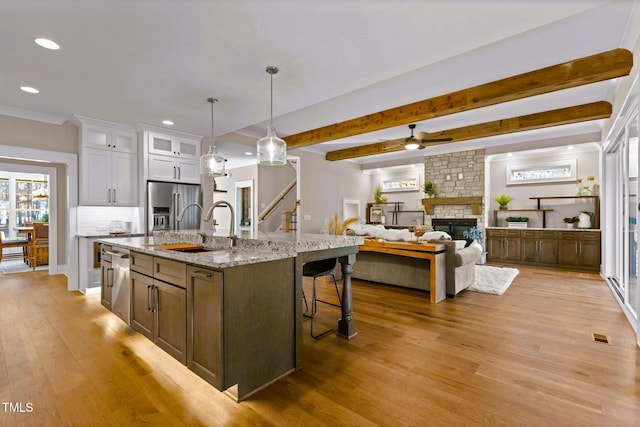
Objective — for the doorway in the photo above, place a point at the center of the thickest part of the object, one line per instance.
(244, 215)
(28, 182)
(621, 158)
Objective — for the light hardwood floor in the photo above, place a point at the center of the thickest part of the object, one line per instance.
(524, 358)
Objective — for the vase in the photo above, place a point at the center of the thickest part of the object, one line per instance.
(503, 207)
(570, 225)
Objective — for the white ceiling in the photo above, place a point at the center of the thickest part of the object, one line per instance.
(142, 61)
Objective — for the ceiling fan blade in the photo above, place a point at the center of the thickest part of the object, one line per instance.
(435, 140)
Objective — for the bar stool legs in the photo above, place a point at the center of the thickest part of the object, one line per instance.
(312, 271)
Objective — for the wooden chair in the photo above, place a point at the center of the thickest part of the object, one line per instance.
(39, 245)
(12, 244)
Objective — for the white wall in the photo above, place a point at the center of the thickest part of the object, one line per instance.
(587, 165)
(411, 200)
(324, 185)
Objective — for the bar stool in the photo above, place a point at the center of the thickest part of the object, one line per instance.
(317, 269)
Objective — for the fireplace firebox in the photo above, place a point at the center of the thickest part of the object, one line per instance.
(454, 226)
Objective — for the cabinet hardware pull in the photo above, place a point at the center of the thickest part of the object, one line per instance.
(109, 282)
(179, 173)
(174, 172)
(155, 300)
(114, 195)
(201, 274)
(109, 195)
(149, 291)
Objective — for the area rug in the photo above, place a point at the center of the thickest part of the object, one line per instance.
(493, 280)
(18, 266)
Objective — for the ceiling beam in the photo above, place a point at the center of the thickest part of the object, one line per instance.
(562, 116)
(595, 68)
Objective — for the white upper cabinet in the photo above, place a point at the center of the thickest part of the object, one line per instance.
(108, 163)
(172, 157)
(108, 138)
(167, 145)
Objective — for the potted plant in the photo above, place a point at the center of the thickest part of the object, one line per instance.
(517, 221)
(429, 189)
(378, 197)
(571, 221)
(503, 200)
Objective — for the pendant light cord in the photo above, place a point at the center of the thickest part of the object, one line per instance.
(271, 70)
(212, 145)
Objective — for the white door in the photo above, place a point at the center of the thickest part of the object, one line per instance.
(96, 170)
(162, 168)
(188, 171)
(124, 179)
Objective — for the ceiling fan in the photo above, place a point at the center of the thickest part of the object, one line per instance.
(413, 143)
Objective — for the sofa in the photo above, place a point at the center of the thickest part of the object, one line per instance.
(460, 264)
(444, 268)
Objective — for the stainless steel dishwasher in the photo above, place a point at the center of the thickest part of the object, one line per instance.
(116, 290)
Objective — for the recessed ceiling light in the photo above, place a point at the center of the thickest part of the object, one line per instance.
(168, 122)
(47, 44)
(570, 147)
(509, 154)
(29, 89)
(248, 153)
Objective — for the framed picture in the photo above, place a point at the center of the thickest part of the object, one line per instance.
(375, 215)
(405, 183)
(532, 173)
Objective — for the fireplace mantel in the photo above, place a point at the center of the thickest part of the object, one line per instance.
(475, 202)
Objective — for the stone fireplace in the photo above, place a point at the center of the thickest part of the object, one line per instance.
(459, 181)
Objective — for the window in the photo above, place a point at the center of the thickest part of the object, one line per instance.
(406, 183)
(32, 201)
(555, 171)
(23, 198)
(5, 205)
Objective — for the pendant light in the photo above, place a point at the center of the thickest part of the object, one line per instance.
(272, 151)
(211, 164)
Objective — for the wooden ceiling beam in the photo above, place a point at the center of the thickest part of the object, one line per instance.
(562, 116)
(595, 68)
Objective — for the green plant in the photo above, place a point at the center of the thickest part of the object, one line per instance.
(45, 217)
(377, 194)
(429, 188)
(503, 199)
(517, 219)
(571, 219)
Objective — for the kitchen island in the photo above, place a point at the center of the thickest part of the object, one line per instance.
(232, 315)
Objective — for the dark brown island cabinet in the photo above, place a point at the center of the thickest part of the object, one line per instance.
(574, 249)
(234, 327)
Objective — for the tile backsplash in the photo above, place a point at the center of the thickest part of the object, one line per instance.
(96, 219)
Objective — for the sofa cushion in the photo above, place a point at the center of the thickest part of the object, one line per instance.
(470, 254)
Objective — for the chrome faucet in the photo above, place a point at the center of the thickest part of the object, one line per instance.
(181, 217)
(181, 214)
(232, 236)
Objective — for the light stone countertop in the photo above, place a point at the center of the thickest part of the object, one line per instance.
(249, 249)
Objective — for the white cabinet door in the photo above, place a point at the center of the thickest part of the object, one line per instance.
(188, 149)
(124, 141)
(124, 179)
(95, 136)
(162, 144)
(189, 171)
(96, 177)
(162, 168)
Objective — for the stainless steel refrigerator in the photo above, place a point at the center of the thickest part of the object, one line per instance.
(165, 201)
